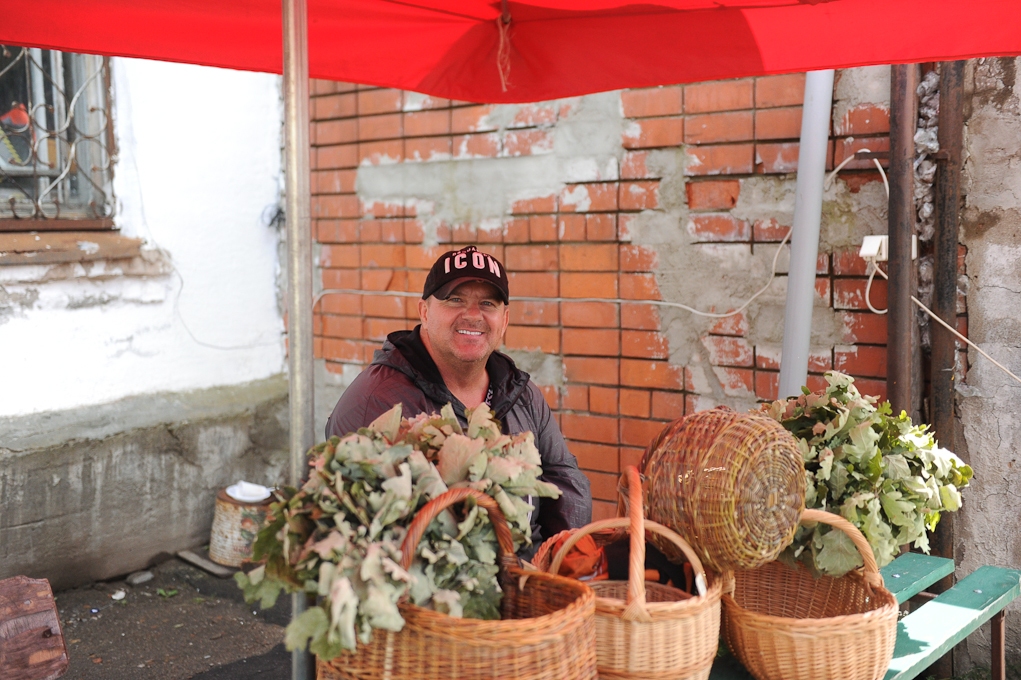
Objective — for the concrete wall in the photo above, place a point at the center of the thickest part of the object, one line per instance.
(134, 385)
(98, 491)
(989, 402)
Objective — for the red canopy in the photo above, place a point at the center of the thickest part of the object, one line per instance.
(556, 47)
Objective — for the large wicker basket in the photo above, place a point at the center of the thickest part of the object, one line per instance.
(784, 624)
(547, 631)
(731, 484)
(646, 630)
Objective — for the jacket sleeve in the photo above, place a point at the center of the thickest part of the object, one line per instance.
(370, 395)
(559, 467)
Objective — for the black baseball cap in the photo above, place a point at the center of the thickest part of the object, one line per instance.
(467, 264)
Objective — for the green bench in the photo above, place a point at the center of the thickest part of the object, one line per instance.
(931, 630)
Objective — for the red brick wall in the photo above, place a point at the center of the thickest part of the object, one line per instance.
(620, 387)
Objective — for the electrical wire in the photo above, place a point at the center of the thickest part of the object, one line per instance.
(952, 330)
(180, 277)
(661, 303)
(829, 178)
(874, 268)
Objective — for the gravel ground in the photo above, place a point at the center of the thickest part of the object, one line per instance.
(184, 623)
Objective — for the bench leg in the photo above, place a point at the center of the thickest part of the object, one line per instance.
(999, 662)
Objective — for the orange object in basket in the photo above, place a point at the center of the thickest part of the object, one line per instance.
(585, 562)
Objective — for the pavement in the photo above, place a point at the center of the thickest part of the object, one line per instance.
(184, 623)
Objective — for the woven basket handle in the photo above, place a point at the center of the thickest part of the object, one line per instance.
(872, 575)
(432, 510)
(636, 609)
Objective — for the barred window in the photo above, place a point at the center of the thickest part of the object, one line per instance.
(55, 141)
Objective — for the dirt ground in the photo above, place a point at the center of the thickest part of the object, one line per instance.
(185, 623)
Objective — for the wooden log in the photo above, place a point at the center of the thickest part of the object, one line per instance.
(31, 641)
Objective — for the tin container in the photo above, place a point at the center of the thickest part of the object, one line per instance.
(235, 524)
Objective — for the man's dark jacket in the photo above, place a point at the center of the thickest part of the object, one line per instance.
(404, 372)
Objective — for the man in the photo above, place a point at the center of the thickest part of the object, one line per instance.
(451, 357)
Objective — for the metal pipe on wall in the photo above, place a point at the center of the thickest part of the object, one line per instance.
(901, 229)
(797, 327)
(299, 266)
(944, 290)
(944, 294)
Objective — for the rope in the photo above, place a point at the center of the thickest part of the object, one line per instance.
(503, 52)
(948, 327)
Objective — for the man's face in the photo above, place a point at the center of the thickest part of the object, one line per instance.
(466, 327)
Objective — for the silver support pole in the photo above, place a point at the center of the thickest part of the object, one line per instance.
(299, 265)
(797, 327)
(37, 106)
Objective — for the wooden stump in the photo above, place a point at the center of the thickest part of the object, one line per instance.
(31, 642)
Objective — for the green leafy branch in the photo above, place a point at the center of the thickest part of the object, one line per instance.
(882, 472)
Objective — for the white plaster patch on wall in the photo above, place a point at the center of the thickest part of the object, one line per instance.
(578, 197)
(413, 101)
(473, 190)
(633, 130)
(1001, 268)
(544, 369)
(764, 198)
(433, 156)
(195, 187)
(992, 176)
(859, 87)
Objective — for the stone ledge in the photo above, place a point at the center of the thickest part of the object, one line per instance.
(96, 422)
(66, 246)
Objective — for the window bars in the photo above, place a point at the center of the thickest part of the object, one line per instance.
(56, 139)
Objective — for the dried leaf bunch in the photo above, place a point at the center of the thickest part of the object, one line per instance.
(339, 536)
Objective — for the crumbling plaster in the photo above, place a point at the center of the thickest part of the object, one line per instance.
(989, 402)
(854, 87)
(198, 307)
(480, 191)
(587, 147)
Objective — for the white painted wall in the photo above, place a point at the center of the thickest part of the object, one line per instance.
(197, 173)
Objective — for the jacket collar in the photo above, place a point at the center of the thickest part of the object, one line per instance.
(405, 352)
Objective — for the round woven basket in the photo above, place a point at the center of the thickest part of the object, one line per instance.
(646, 630)
(784, 624)
(731, 484)
(547, 630)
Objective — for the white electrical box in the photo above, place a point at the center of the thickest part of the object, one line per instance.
(873, 248)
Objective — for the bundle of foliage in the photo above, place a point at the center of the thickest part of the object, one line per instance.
(881, 472)
(340, 535)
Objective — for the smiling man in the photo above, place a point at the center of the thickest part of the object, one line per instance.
(451, 357)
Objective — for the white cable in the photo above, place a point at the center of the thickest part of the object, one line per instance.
(954, 331)
(873, 268)
(879, 166)
(661, 303)
(886, 182)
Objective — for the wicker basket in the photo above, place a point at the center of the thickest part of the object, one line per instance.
(645, 630)
(544, 555)
(784, 624)
(547, 631)
(731, 484)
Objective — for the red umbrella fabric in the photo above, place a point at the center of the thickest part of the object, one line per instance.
(552, 48)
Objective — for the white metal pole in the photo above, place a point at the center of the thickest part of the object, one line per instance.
(299, 265)
(797, 327)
